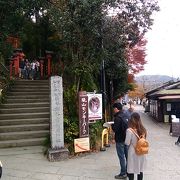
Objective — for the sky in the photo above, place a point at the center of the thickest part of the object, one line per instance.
(163, 47)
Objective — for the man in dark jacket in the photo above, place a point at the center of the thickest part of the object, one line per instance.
(119, 127)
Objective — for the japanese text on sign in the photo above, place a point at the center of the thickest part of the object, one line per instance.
(83, 116)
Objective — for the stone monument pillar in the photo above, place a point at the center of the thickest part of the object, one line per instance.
(57, 151)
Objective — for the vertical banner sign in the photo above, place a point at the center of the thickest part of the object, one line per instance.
(83, 116)
(94, 106)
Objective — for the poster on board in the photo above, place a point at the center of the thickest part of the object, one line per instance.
(81, 144)
(94, 106)
(168, 107)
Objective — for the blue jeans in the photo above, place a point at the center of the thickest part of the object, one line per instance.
(122, 151)
(33, 73)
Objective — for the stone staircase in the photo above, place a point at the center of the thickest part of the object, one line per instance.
(24, 117)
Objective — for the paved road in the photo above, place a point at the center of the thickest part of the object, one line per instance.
(30, 164)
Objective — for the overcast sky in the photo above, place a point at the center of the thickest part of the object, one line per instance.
(163, 48)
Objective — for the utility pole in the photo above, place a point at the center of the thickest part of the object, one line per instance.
(103, 77)
(103, 89)
(111, 97)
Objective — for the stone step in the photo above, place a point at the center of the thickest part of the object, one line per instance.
(23, 135)
(29, 97)
(24, 115)
(33, 93)
(34, 86)
(26, 100)
(22, 105)
(24, 127)
(24, 121)
(22, 150)
(27, 89)
(23, 82)
(24, 110)
(22, 142)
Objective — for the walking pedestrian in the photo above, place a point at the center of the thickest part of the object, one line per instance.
(135, 163)
(178, 141)
(21, 68)
(33, 69)
(27, 69)
(0, 169)
(37, 69)
(119, 127)
(129, 112)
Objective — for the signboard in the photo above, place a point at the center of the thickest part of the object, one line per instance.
(83, 116)
(94, 106)
(176, 129)
(166, 118)
(81, 144)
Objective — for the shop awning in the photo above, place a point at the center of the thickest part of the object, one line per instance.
(170, 97)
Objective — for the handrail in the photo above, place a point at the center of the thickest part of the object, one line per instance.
(4, 74)
(3, 68)
(4, 81)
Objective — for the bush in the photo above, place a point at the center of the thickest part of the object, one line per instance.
(95, 133)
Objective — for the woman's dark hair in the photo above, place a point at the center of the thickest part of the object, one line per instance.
(136, 123)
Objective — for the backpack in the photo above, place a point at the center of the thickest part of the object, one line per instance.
(124, 122)
(142, 145)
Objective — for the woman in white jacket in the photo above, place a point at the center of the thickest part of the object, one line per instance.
(135, 163)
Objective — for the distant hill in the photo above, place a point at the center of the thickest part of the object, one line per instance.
(153, 78)
(153, 81)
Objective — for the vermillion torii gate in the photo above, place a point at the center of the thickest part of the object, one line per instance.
(45, 64)
(14, 62)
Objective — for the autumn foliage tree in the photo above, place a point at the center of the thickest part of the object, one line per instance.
(136, 61)
(136, 58)
(138, 92)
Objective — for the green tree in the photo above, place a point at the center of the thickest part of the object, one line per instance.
(83, 34)
(90, 36)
